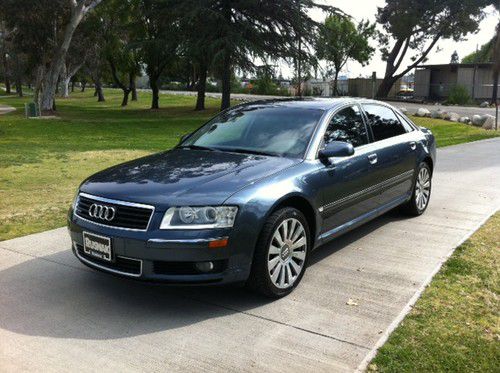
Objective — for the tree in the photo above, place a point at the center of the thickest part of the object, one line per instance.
(122, 61)
(199, 45)
(241, 31)
(78, 10)
(154, 37)
(418, 25)
(454, 58)
(489, 52)
(496, 62)
(340, 40)
(483, 54)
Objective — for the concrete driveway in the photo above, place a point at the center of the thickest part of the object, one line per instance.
(57, 315)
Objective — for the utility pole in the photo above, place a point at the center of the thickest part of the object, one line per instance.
(374, 83)
(496, 115)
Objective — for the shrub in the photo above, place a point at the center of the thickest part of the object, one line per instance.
(459, 95)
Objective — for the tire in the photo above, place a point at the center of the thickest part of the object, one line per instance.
(271, 255)
(421, 193)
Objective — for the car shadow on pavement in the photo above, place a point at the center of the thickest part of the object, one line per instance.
(56, 296)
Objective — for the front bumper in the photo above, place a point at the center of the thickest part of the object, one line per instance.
(167, 256)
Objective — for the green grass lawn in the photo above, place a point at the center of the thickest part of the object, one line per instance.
(42, 161)
(455, 325)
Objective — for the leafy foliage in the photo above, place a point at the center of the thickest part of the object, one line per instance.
(339, 40)
(483, 54)
(417, 25)
(459, 95)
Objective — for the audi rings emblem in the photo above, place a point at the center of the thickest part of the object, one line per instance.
(102, 212)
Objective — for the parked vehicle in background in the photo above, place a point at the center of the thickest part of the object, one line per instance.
(247, 196)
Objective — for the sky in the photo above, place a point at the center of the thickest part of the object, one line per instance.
(367, 9)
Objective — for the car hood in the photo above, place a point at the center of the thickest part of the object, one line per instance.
(183, 176)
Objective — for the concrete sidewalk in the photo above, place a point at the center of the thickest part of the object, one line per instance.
(4, 109)
(57, 315)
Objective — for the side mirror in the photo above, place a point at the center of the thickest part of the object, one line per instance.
(184, 137)
(336, 149)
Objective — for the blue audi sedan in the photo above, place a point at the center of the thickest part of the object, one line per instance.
(247, 196)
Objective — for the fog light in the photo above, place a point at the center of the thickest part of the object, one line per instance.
(204, 266)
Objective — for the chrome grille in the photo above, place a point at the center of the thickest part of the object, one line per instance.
(127, 215)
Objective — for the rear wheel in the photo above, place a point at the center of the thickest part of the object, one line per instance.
(421, 191)
(281, 254)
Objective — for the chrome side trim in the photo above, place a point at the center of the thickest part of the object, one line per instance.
(107, 269)
(187, 240)
(393, 180)
(116, 202)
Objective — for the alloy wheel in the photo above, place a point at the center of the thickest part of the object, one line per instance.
(287, 253)
(422, 188)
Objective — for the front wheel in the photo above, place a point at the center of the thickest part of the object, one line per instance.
(281, 254)
(421, 191)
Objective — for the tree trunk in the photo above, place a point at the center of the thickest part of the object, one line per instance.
(385, 87)
(78, 11)
(95, 91)
(72, 85)
(299, 72)
(153, 83)
(66, 82)
(19, 87)
(84, 84)
(226, 80)
(133, 88)
(126, 92)
(335, 83)
(56, 65)
(39, 72)
(202, 87)
(7, 85)
(100, 93)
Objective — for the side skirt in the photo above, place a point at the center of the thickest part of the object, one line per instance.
(360, 220)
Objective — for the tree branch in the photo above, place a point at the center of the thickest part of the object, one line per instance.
(402, 55)
(91, 6)
(421, 58)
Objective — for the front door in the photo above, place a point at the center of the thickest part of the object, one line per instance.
(344, 181)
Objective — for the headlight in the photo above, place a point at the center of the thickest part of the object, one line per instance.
(75, 199)
(199, 217)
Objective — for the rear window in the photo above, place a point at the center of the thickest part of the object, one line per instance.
(383, 121)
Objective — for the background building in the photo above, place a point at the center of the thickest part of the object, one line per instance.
(434, 82)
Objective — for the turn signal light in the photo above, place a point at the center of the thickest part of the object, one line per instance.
(218, 243)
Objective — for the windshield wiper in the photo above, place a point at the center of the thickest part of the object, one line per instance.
(249, 151)
(198, 147)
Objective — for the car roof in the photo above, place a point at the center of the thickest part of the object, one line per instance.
(321, 103)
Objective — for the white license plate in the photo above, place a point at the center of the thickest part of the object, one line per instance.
(98, 246)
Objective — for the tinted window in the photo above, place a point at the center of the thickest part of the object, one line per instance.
(383, 121)
(406, 123)
(278, 130)
(348, 126)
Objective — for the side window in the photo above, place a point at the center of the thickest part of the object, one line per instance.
(383, 121)
(347, 125)
(406, 123)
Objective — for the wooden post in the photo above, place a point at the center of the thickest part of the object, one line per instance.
(374, 83)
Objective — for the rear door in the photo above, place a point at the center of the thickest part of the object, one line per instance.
(393, 153)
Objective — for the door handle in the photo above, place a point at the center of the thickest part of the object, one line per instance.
(413, 145)
(372, 158)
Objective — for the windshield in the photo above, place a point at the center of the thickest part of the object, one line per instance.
(258, 129)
